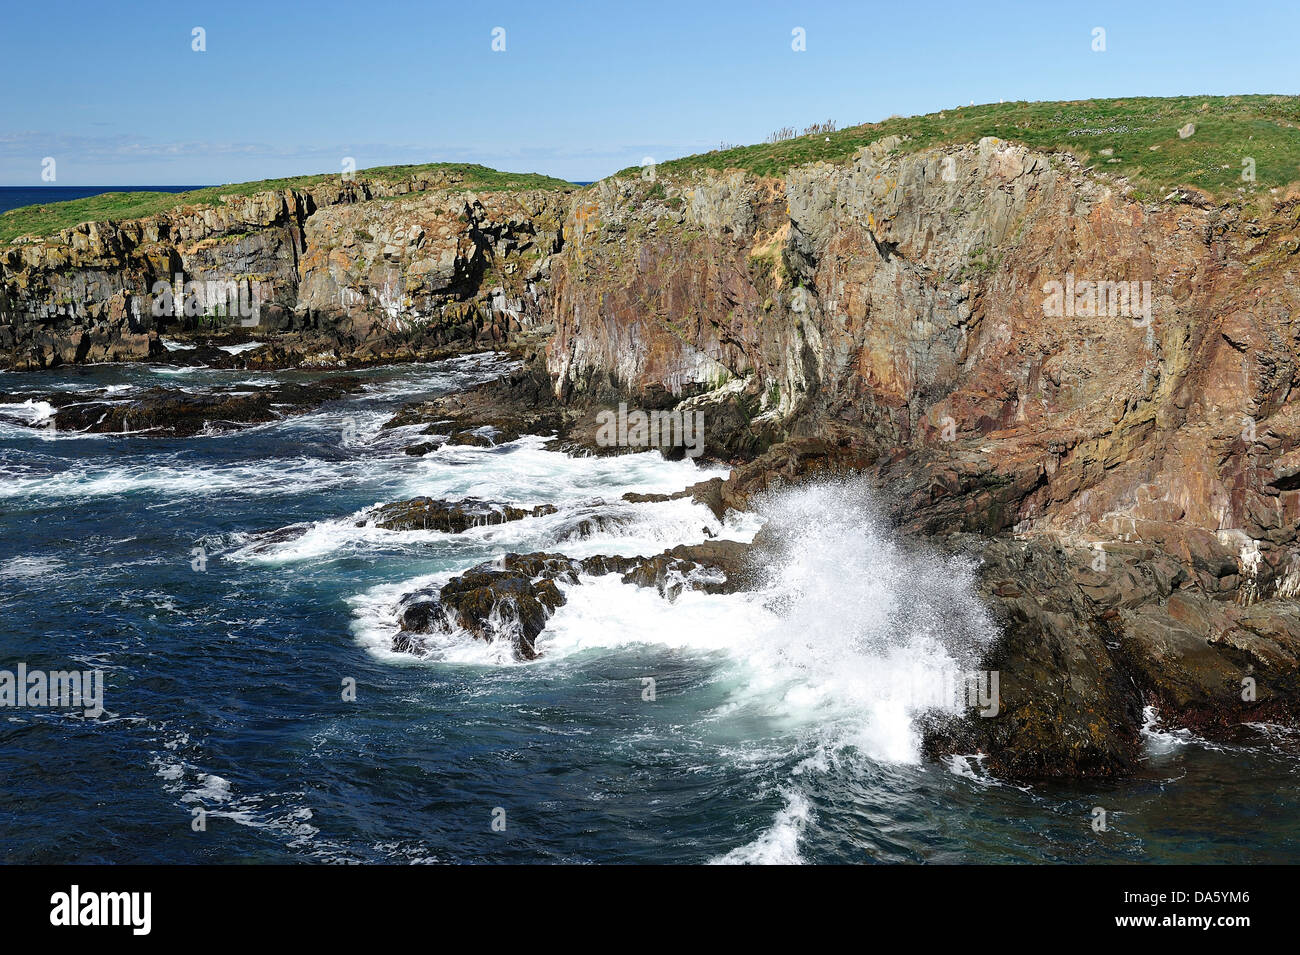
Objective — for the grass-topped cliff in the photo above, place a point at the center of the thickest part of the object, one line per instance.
(1134, 137)
(48, 218)
(1141, 134)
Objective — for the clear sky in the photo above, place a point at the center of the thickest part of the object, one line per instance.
(116, 94)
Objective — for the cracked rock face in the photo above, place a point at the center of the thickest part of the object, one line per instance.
(902, 306)
(905, 316)
(342, 271)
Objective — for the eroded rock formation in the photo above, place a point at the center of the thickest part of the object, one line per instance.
(1130, 466)
(1128, 471)
(349, 272)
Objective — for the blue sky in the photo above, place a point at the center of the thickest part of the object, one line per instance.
(115, 93)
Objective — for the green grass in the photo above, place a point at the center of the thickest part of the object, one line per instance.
(1228, 130)
(42, 220)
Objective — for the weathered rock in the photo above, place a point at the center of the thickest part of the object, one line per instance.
(331, 274)
(171, 412)
(513, 598)
(1066, 709)
(1087, 643)
(450, 517)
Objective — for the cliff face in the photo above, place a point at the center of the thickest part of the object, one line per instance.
(453, 268)
(903, 307)
(352, 270)
(1138, 458)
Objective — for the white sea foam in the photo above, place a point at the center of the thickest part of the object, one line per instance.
(779, 844)
(848, 630)
(526, 471)
(215, 797)
(31, 411)
(1161, 741)
(850, 637)
(20, 567)
(171, 480)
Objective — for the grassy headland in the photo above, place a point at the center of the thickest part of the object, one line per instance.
(49, 218)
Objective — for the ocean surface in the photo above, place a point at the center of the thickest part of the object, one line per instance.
(781, 726)
(15, 197)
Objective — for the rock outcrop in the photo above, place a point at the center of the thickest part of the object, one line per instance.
(932, 320)
(450, 517)
(512, 599)
(342, 272)
(176, 412)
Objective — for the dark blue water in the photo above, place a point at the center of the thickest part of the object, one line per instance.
(15, 197)
(769, 739)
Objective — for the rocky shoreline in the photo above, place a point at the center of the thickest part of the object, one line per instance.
(1087, 644)
(1128, 483)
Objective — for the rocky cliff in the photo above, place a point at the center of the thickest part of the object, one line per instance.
(1087, 390)
(349, 271)
(1099, 387)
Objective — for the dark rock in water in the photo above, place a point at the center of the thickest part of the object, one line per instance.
(1088, 643)
(418, 616)
(715, 567)
(450, 517)
(709, 493)
(171, 412)
(424, 447)
(523, 402)
(475, 438)
(509, 601)
(516, 404)
(519, 602)
(1065, 706)
(514, 598)
(204, 354)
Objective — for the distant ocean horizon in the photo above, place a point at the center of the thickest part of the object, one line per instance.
(15, 197)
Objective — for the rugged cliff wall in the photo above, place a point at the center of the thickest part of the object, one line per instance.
(1132, 467)
(359, 270)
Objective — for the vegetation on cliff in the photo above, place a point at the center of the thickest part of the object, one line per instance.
(1135, 137)
(48, 218)
(1235, 147)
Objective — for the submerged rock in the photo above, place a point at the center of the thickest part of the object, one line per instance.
(173, 412)
(450, 517)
